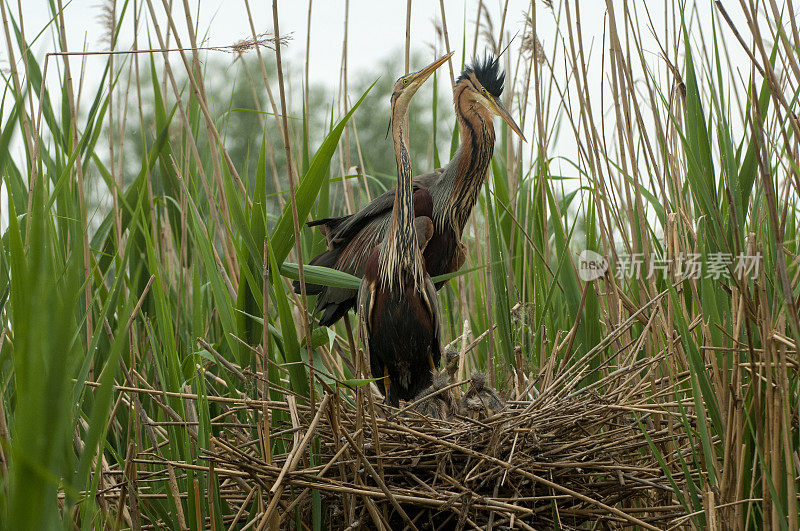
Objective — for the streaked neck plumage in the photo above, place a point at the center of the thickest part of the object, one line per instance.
(400, 257)
(461, 183)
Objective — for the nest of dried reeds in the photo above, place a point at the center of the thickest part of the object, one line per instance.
(580, 445)
(563, 460)
(567, 457)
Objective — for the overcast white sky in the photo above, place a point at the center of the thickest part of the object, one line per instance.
(375, 27)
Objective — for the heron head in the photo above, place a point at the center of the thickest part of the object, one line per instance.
(484, 80)
(406, 86)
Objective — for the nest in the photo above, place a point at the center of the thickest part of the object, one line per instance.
(565, 461)
(565, 451)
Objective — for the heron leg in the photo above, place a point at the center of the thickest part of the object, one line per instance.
(430, 361)
(386, 383)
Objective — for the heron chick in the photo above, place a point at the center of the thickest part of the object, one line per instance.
(480, 401)
(439, 405)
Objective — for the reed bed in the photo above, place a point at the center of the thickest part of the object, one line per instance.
(157, 370)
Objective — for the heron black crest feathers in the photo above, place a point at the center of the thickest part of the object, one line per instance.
(488, 72)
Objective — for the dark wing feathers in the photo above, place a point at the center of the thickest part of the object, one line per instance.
(345, 228)
(328, 226)
(423, 226)
(351, 239)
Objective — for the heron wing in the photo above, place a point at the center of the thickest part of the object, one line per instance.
(345, 228)
(351, 240)
(423, 226)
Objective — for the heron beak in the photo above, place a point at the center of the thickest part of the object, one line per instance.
(425, 73)
(500, 110)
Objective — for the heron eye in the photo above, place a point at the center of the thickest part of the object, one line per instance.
(405, 82)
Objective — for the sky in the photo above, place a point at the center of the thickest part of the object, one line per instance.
(376, 27)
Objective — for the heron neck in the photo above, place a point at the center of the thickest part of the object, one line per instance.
(400, 252)
(475, 155)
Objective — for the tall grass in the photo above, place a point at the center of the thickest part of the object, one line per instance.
(178, 287)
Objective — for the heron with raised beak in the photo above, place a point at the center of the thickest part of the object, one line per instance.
(397, 297)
